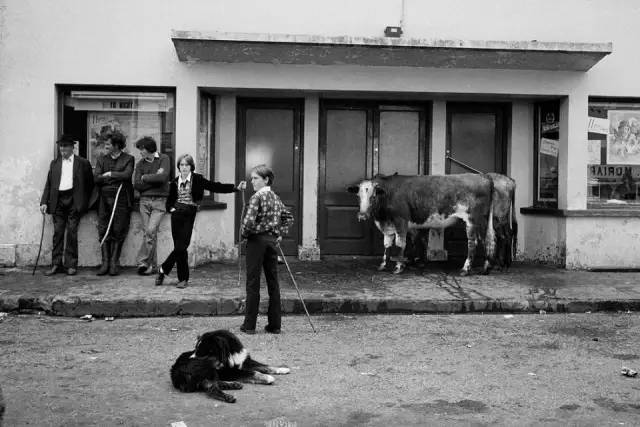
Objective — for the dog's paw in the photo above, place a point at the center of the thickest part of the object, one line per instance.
(229, 399)
(282, 370)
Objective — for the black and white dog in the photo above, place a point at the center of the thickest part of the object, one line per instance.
(220, 362)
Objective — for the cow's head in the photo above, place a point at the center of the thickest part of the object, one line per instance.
(366, 191)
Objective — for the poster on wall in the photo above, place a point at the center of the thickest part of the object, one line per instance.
(623, 141)
(133, 126)
(593, 147)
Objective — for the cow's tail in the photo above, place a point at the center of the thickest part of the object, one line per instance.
(514, 225)
(490, 238)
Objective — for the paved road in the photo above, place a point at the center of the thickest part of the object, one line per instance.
(357, 370)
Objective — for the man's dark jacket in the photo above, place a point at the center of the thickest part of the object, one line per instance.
(82, 184)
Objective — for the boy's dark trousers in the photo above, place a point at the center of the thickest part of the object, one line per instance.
(262, 255)
(182, 220)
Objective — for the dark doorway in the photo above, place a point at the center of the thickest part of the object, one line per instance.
(357, 141)
(269, 132)
(476, 142)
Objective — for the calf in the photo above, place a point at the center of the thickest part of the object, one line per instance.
(398, 203)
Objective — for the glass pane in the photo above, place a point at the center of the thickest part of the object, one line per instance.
(614, 155)
(346, 148)
(399, 142)
(473, 142)
(270, 140)
(548, 153)
(88, 114)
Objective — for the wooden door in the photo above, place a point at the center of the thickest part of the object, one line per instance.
(269, 132)
(357, 141)
(476, 142)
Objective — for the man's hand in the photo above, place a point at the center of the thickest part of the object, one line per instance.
(242, 185)
(279, 239)
(43, 209)
(106, 175)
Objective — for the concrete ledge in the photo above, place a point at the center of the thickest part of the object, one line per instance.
(75, 307)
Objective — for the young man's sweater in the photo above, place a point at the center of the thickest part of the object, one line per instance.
(151, 179)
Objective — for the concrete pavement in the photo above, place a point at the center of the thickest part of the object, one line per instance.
(341, 285)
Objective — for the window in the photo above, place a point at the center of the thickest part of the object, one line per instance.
(205, 149)
(613, 170)
(87, 112)
(546, 160)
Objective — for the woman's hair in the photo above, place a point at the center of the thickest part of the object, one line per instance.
(264, 172)
(147, 143)
(189, 159)
(116, 137)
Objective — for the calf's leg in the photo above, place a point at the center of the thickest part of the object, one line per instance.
(401, 242)
(388, 243)
(472, 242)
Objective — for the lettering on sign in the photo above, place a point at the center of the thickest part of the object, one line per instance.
(613, 171)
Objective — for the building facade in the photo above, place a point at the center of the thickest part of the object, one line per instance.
(545, 92)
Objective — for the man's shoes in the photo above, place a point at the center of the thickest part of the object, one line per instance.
(54, 270)
(71, 271)
(159, 278)
(182, 284)
(247, 331)
(268, 329)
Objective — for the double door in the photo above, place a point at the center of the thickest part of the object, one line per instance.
(357, 141)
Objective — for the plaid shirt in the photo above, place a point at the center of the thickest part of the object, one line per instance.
(263, 214)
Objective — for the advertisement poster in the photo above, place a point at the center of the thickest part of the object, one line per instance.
(623, 141)
(599, 125)
(549, 147)
(133, 126)
(594, 148)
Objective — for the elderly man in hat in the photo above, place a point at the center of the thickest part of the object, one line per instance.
(66, 197)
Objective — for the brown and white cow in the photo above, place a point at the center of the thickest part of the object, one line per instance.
(398, 203)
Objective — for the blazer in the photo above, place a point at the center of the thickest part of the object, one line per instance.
(82, 184)
(198, 184)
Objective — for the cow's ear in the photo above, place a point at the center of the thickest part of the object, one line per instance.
(353, 189)
(378, 190)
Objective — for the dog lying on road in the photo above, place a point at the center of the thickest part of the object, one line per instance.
(220, 362)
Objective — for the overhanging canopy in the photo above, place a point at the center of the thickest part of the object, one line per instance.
(195, 46)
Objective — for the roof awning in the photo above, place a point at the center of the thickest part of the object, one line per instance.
(195, 46)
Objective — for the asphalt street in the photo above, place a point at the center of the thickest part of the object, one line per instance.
(373, 370)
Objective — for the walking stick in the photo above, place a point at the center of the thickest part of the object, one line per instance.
(113, 212)
(40, 247)
(244, 207)
(296, 286)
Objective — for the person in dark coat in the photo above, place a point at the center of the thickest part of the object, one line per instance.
(66, 197)
(185, 192)
(112, 175)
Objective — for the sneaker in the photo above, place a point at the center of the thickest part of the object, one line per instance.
(247, 331)
(268, 329)
(182, 284)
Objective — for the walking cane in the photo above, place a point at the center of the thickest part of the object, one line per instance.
(113, 212)
(296, 286)
(244, 207)
(40, 247)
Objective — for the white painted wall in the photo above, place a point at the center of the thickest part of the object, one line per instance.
(119, 42)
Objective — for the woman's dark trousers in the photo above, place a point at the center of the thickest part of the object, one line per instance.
(262, 255)
(181, 227)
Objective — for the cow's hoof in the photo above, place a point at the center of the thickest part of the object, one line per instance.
(399, 269)
(382, 267)
(465, 272)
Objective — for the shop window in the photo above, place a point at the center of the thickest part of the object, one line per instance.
(547, 141)
(86, 113)
(613, 170)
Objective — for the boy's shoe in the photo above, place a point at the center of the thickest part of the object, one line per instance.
(182, 284)
(159, 279)
(271, 330)
(247, 331)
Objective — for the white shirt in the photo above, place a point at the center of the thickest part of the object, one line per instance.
(263, 189)
(66, 178)
(156, 155)
(180, 181)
